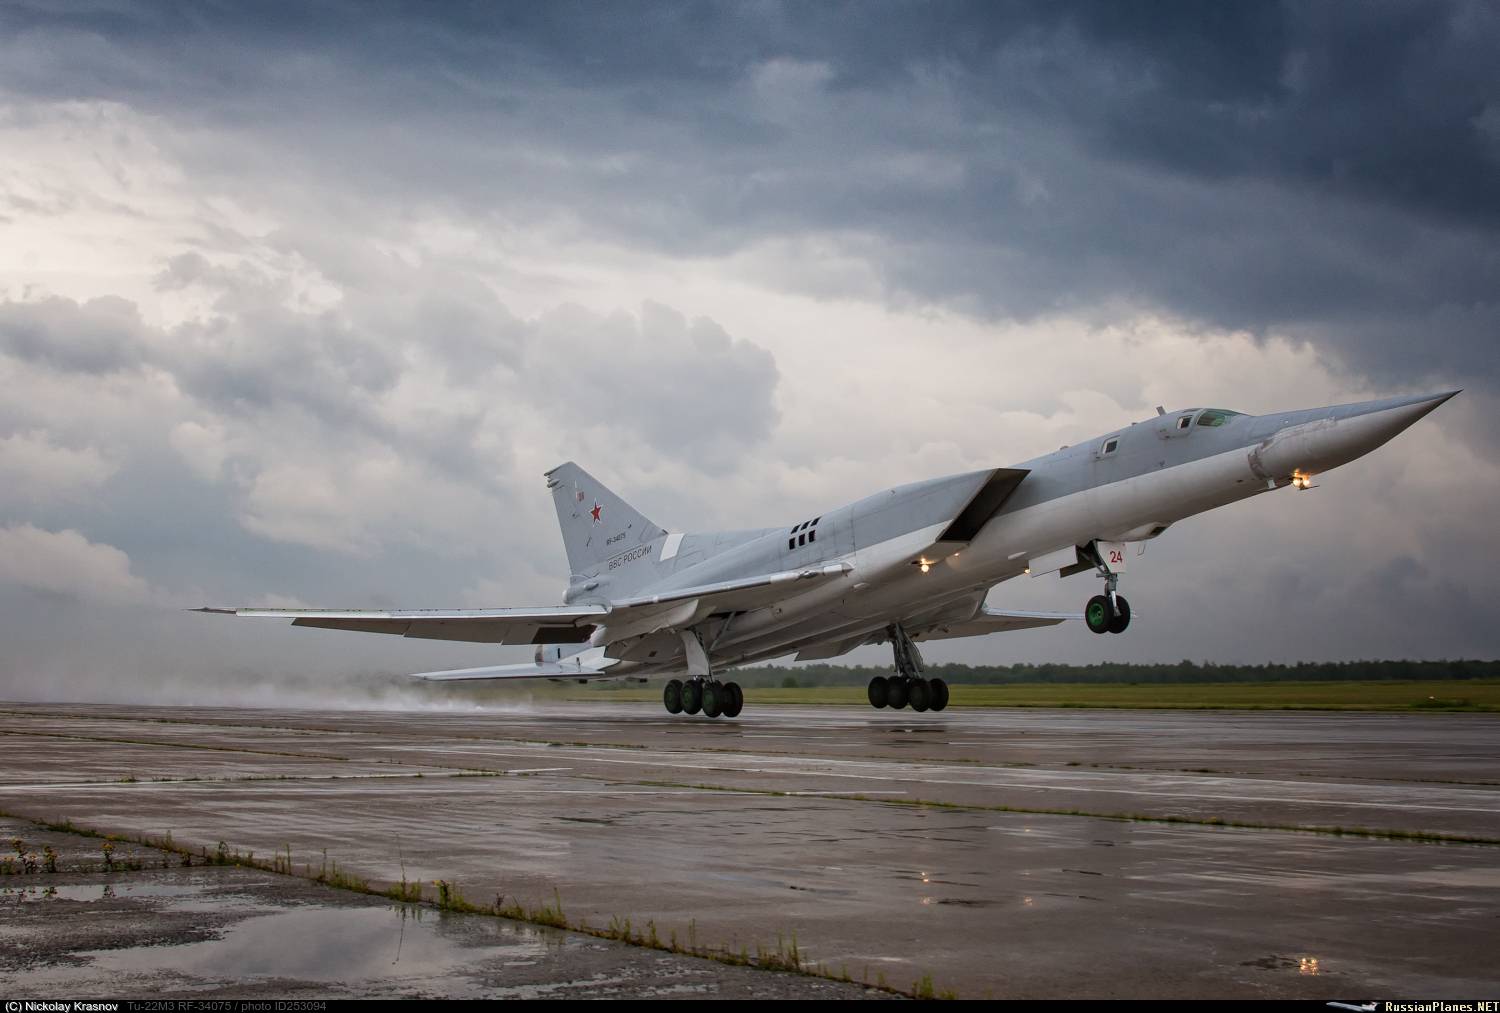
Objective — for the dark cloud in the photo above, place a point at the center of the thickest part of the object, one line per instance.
(685, 389)
(102, 335)
(1331, 171)
(1327, 172)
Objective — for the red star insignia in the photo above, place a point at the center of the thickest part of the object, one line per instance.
(595, 512)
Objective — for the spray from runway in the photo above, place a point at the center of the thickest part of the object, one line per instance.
(174, 658)
(369, 691)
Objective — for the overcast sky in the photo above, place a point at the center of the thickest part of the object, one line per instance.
(297, 304)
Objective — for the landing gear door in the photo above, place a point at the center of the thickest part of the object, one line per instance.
(1111, 556)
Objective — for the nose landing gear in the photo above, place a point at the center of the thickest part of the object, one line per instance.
(907, 686)
(1108, 612)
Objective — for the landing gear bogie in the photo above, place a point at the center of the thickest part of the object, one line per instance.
(706, 696)
(907, 686)
(918, 694)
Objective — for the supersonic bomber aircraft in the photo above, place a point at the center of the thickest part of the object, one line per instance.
(903, 566)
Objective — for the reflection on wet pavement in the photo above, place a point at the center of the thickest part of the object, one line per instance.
(969, 846)
(230, 931)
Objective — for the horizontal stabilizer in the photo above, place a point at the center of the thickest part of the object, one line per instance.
(565, 668)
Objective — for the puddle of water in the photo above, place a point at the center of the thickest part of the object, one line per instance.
(357, 944)
(31, 893)
(98, 891)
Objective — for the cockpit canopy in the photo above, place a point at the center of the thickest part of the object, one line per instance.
(1216, 416)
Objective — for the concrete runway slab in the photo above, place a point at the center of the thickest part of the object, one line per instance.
(157, 929)
(804, 821)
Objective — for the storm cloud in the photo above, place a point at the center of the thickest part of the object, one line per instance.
(298, 302)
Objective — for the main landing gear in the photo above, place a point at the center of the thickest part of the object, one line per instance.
(907, 686)
(1108, 612)
(715, 699)
(701, 691)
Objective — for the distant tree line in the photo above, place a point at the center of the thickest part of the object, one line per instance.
(1122, 672)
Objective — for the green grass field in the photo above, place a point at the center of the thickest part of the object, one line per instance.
(1448, 695)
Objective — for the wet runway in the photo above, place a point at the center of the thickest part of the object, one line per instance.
(153, 928)
(1011, 853)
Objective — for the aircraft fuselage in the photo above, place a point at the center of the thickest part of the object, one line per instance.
(907, 565)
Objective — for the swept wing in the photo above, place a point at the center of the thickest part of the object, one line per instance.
(560, 624)
(994, 621)
(985, 621)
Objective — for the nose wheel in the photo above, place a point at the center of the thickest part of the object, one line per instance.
(1101, 618)
(1108, 612)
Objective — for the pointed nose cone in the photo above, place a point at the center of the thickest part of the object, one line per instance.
(1408, 408)
(1370, 424)
(1325, 438)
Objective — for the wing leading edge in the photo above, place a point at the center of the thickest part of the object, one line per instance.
(994, 621)
(986, 621)
(559, 624)
(564, 624)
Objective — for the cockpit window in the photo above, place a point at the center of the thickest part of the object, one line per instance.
(1216, 416)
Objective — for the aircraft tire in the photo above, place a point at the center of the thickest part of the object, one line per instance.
(895, 693)
(671, 696)
(713, 699)
(939, 694)
(692, 697)
(1121, 619)
(1096, 614)
(877, 691)
(736, 701)
(919, 695)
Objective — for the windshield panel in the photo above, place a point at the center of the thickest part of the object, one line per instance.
(1216, 416)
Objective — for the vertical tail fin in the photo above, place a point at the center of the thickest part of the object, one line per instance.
(597, 525)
